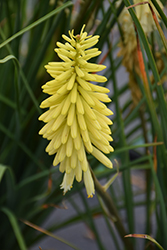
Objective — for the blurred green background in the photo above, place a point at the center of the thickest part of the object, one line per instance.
(30, 186)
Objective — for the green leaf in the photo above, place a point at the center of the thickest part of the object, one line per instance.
(3, 168)
(145, 236)
(49, 234)
(7, 58)
(42, 19)
(13, 220)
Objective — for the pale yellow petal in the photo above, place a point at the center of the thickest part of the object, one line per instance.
(86, 96)
(81, 152)
(66, 105)
(88, 110)
(79, 105)
(73, 93)
(58, 139)
(67, 38)
(58, 109)
(94, 123)
(93, 67)
(84, 164)
(88, 146)
(67, 182)
(104, 111)
(47, 116)
(56, 160)
(81, 61)
(65, 134)
(81, 121)
(64, 58)
(65, 75)
(103, 117)
(107, 136)
(46, 128)
(68, 165)
(101, 97)
(78, 172)
(98, 104)
(71, 81)
(102, 158)
(79, 71)
(58, 122)
(98, 143)
(91, 55)
(89, 184)
(74, 159)
(69, 146)
(96, 133)
(91, 51)
(74, 128)
(50, 146)
(62, 166)
(89, 43)
(84, 84)
(71, 114)
(98, 88)
(63, 90)
(85, 135)
(77, 142)
(62, 153)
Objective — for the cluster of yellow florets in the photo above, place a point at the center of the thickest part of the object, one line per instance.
(76, 120)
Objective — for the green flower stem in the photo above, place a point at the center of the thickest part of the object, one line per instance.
(112, 210)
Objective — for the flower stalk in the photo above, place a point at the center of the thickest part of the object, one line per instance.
(112, 211)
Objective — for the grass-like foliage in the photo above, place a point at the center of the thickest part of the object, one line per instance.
(134, 50)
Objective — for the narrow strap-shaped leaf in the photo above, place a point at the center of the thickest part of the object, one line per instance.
(22, 146)
(3, 168)
(49, 234)
(145, 236)
(160, 11)
(42, 19)
(15, 226)
(7, 58)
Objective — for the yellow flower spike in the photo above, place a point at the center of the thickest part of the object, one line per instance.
(76, 119)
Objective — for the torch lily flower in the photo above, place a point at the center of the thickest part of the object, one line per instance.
(76, 119)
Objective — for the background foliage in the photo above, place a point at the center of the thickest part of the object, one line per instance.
(28, 33)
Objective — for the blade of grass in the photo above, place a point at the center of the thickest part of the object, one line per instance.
(107, 220)
(160, 11)
(22, 146)
(42, 19)
(16, 228)
(159, 27)
(22, 75)
(36, 177)
(160, 199)
(3, 168)
(151, 60)
(125, 156)
(91, 221)
(49, 234)
(145, 236)
(112, 209)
